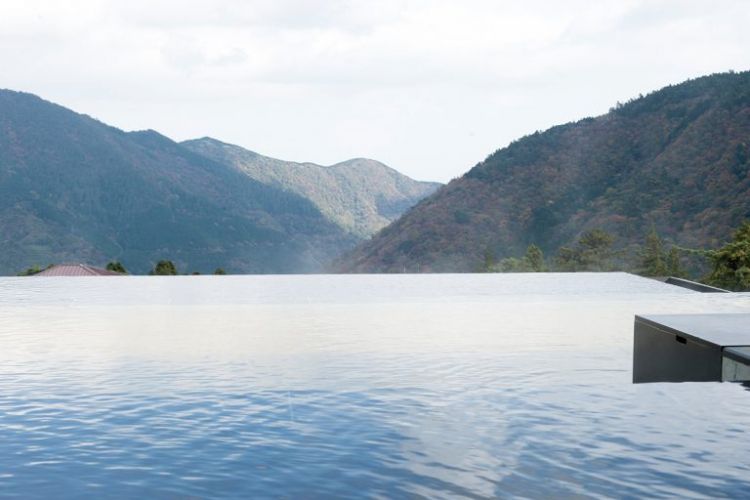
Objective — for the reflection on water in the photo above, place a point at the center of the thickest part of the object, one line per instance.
(340, 386)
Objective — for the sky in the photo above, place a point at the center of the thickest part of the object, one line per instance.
(429, 87)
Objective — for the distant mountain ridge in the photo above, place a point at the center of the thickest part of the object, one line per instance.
(677, 159)
(360, 195)
(73, 189)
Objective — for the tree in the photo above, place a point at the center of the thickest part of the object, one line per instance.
(510, 265)
(31, 271)
(532, 261)
(596, 250)
(652, 257)
(731, 263)
(164, 268)
(489, 262)
(567, 259)
(219, 271)
(535, 258)
(592, 252)
(117, 267)
(674, 264)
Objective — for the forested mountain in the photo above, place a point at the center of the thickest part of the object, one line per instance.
(75, 189)
(360, 195)
(676, 160)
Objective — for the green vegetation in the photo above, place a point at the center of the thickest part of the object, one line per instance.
(674, 264)
(531, 262)
(76, 190)
(489, 262)
(592, 252)
(656, 261)
(117, 267)
(731, 263)
(676, 160)
(31, 271)
(653, 262)
(164, 268)
(361, 196)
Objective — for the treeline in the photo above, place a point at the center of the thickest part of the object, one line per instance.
(679, 157)
(162, 268)
(168, 268)
(728, 266)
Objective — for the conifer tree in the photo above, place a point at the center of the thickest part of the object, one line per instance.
(674, 266)
(592, 252)
(534, 258)
(731, 263)
(164, 268)
(117, 267)
(652, 258)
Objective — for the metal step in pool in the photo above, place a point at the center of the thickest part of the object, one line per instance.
(691, 348)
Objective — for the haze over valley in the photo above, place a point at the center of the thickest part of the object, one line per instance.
(73, 189)
(357, 249)
(675, 161)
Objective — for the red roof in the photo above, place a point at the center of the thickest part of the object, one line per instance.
(76, 270)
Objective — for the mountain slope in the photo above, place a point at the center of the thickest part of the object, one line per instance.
(677, 158)
(74, 189)
(360, 195)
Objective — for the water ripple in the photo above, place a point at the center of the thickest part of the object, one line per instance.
(442, 390)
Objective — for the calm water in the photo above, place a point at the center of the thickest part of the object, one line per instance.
(354, 386)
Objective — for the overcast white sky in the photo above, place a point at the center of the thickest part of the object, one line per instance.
(429, 87)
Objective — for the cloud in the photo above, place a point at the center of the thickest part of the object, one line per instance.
(428, 86)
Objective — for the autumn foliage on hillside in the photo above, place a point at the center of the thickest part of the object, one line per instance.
(676, 160)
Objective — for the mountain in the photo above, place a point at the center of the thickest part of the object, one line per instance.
(75, 189)
(676, 159)
(360, 195)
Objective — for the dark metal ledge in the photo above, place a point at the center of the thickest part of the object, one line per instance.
(691, 348)
(693, 285)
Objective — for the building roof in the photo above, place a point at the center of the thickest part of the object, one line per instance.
(76, 270)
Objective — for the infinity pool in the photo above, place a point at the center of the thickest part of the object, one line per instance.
(489, 385)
